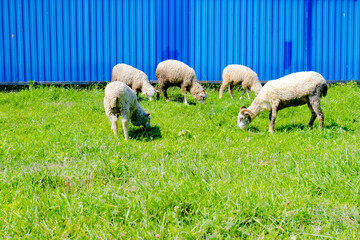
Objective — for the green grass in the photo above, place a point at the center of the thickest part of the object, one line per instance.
(194, 174)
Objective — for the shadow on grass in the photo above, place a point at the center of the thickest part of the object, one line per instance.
(334, 125)
(180, 98)
(291, 127)
(299, 126)
(253, 129)
(149, 134)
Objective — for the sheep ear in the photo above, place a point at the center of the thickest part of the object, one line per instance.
(148, 115)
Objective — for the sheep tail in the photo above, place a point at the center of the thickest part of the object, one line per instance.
(324, 89)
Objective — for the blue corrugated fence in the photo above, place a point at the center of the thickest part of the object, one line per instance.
(80, 40)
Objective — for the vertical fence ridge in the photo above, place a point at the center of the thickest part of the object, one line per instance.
(357, 41)
(7, 41)
(2, 36)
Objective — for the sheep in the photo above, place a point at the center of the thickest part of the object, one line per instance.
(235, 74)
(134, 78)
(291, 90)
(175, 73)
(120, 100)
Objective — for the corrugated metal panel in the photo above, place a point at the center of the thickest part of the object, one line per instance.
(80, 41)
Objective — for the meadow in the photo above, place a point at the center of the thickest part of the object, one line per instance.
(193, 175)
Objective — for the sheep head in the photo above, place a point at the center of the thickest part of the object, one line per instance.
(147, 118)
(199, 94)
(140, 117)
(150, 93)
(244, 118)
(203, 96)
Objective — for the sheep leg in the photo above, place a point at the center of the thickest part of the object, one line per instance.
(185, 100)
(313, 115)
(272, 120)
(112, 117)
(315, 103)
(231, 95)
(165, 94)
(158, 93)
(135, 91)
(242, 94)
(163, 89)
(247, 92)
(125, 124)
(114, 124)
(183, 90)
(222, 88)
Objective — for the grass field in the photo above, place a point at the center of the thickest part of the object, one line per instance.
(194, 174)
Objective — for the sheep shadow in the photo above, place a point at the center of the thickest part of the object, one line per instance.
(291, 127)
(253, 129)
(334, 125)
(149, 134)
(175, 95)
(180, 98)
(299, 126)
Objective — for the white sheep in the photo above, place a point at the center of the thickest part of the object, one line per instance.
(291, 90)
(235, 74)
(120, 100)
(175, 73)
(134, 78)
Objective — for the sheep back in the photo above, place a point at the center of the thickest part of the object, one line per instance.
(129, 75)
(235, 74)
(293, 89)
(175, 73)
(119, 99)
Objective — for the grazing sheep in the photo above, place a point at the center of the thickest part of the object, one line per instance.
(120, 100)
(292, 90)
(240, 75)
(175, 73)
(134, 78)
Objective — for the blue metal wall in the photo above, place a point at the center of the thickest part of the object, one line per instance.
(80, 40)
